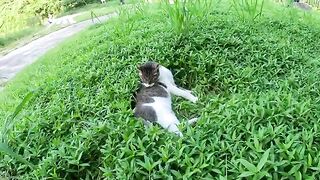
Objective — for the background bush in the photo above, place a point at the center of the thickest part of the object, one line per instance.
(19, 14)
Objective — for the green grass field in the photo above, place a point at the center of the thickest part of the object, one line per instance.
(256, 74)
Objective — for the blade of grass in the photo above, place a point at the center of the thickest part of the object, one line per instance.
(9, 120)
(248, 165)
(263, 159)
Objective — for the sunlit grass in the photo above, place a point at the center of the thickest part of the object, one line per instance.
(257, 80)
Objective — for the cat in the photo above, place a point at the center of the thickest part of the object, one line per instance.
(153, 98)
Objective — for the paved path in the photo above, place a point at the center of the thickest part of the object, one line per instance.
(16, 60)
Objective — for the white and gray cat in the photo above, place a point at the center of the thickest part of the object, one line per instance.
(153, 99)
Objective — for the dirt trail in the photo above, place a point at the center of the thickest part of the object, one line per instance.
(16, 60)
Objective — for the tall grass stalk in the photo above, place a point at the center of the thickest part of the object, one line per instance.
(182, 14)
(248, 9)
(4, 148)
(179, 15)
(201, 8)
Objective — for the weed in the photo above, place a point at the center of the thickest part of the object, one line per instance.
(4, 148)
(179, 15)
(248, 9)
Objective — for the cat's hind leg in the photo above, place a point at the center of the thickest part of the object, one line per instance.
(169, 121)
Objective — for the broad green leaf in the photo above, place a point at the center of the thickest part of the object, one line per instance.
(246, 174)
(189, 174)
(260, 175)
(298, 175)
(256, 143)
(315, 168)
(294, 169)
(263, 160)
(177, 174)
(222, 178)
(146, 164)
(204, 166)
(248, 165)
(309, 160)
(216, 171)
(22, 104)
(84, 164)
(18, 109)
(155, 164)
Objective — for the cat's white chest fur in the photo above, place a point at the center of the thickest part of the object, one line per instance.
(163, 109)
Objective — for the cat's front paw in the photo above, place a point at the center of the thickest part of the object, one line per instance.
(193, 99)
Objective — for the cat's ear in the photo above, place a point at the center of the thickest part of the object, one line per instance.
(156, 66)
(139, 70)
(138, 67)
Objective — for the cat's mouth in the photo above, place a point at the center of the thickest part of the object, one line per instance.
(148, 85)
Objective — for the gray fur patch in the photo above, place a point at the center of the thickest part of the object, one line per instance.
(146, 112)
(144, 96)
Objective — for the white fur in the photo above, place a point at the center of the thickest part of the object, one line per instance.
(148, 85)
(166, 117)
(166, 78)
(162, 106)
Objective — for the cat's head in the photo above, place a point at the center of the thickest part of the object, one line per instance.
(149, 73)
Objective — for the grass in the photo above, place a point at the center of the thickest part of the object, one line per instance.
(9, 38)
(258, 84)
(248, 9)
(9, 41)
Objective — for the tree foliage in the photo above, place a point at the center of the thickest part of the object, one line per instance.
(19, 14)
